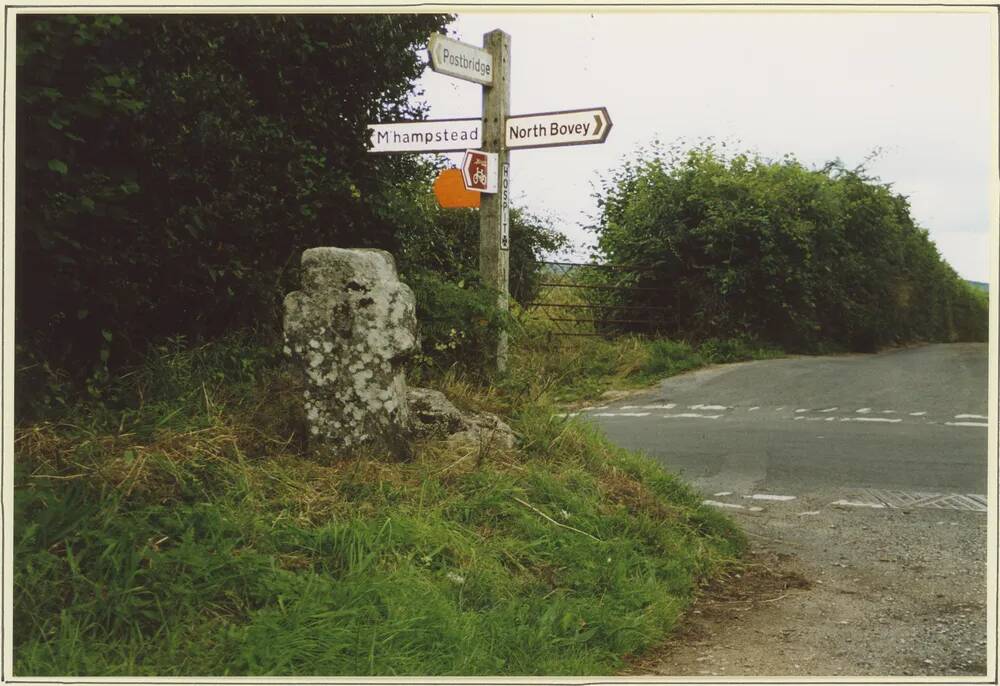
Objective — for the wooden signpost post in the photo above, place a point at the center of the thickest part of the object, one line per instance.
(494, 134)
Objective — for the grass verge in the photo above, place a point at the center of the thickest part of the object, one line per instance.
(183, 528)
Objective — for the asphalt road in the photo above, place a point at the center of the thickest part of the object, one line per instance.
(908, 420)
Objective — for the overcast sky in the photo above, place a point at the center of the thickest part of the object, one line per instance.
(818, 85)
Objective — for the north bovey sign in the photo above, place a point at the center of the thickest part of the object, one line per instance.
(550, 129)
(543, 130)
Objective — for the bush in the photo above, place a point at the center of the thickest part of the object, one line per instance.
(458, 323)
(771, 250)
(170, 175)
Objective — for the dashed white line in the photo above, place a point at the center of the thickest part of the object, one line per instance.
(830, 409)
(871, 419)
(864, 410)
(971, 416)
(691, 415)
(917, 414)
(849, 503)
(801, 409)
(754, 408)
(966, 424)
(722, 493)
(707, 407)
(620, 414)
(769, 496)
(668, 406)
(716, 503)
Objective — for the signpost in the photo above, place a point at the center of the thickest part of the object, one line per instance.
(494, 259)
(486, 167)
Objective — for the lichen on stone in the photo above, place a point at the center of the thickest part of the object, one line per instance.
(351, 327)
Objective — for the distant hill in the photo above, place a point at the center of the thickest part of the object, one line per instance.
(979, 284)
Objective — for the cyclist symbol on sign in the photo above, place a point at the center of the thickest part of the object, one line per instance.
(479, 177)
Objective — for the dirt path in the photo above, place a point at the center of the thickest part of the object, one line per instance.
(841, 591)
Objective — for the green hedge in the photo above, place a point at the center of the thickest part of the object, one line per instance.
(803, 258)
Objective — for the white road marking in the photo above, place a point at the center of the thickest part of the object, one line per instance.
(831, 419)
(888, 412)
(917, 414)
(691, 415)
(621, 414)
(716, 503)
(871, 419)
(971, 416)
(722, 493)
(966, 424)
(812, 512)
(801, 409)
(849, 503)
(707, 407)
(864, 410)
(830, 409)
(756, 509)
(754, 408)
(779, 409)
(668, 406)
(768, 496)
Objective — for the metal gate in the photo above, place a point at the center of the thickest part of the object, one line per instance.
(586, 299)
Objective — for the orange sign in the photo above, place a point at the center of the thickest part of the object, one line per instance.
(450, 191)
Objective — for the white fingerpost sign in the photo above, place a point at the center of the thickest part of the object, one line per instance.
(432, 135)
(461, 60)
(550, 129)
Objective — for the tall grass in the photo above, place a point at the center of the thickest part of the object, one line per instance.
(182, 527)
(567, 368)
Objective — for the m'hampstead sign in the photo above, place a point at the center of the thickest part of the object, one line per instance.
(433, 135)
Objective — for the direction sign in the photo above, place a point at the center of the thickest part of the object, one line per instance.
(461, 60)
(479, 171)
(549, 129)
(432, 135)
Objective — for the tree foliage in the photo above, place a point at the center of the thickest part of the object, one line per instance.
(171, 169)
(773, 250)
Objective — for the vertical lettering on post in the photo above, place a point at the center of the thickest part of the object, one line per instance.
(505, 208)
